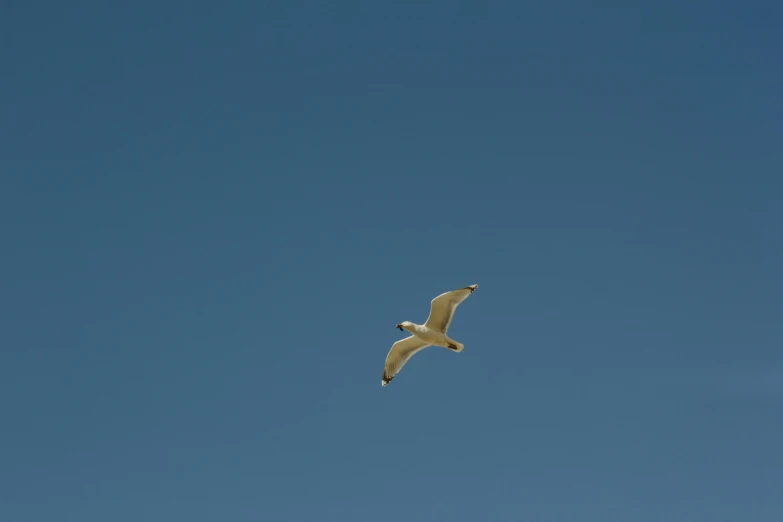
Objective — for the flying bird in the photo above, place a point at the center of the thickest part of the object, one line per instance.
(431, 333)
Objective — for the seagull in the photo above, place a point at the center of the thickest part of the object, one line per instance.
(431, 333)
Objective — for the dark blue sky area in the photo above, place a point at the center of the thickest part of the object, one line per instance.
(212, 216)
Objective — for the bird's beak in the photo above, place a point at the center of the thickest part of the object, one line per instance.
(399, 326)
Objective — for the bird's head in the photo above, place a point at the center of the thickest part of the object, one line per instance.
(404, 325)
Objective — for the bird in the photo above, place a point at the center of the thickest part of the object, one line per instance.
(431, 333)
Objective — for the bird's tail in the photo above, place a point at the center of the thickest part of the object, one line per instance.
(455, 346)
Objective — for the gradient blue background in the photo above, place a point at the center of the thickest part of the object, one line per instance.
(213, 216)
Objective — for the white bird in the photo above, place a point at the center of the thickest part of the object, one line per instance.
(431, 333)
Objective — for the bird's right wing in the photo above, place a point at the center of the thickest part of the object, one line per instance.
(399, 354)
(442, 308)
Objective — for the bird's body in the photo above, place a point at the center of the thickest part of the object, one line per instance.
(431, 333)
(430, 336)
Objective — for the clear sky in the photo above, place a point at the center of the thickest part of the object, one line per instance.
(213, 215)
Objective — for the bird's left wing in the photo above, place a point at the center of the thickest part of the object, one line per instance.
(399, 354)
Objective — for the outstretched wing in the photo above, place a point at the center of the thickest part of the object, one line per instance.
(442, 308)
(399, 354)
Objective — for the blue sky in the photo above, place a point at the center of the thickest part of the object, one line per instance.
(212, 217)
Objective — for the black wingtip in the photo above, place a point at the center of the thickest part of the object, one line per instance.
(386, 380)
